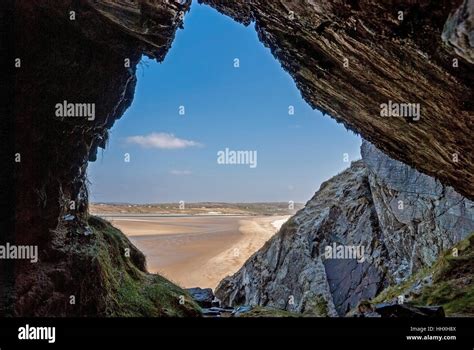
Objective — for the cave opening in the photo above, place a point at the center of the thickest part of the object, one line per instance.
(233, 99)
(216, 151)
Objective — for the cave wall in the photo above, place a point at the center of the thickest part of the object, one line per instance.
(404, 61)
(78, 57)
(82, 61)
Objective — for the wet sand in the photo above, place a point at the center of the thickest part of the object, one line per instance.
(198, 250)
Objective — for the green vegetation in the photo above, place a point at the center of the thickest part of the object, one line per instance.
(317, 307)
(392, 292)
(453, 278)
(129, 290)
(264, 311)
(452, 286)
(288, 229)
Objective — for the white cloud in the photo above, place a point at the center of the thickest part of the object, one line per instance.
(161, 140)
(180, 172)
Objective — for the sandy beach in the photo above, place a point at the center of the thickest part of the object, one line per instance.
(198, 250)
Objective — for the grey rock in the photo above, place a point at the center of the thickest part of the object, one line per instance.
(204, 297)
(222, 309)
(401, 218)
(69, 217)
(408, 311)
(88, 231)
(458, 31)
(218, 312)
(241, 309)
(210, 313)
(216, 302)
(418, 216)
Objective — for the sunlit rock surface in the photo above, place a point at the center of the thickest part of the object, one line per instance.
(402, 218)
(459, 31)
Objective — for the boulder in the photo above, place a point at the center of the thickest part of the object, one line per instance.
(203, 296)
(408, 311)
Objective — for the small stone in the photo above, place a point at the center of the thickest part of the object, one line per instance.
(69, 217)
(88, 231)
(242, 309)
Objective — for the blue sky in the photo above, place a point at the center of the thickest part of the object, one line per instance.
(173, 157)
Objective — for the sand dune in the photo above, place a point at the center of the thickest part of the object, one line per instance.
(198, 250)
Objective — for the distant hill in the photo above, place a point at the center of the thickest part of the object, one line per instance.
(199, 208)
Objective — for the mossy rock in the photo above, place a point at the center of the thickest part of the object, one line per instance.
(453, 281)
(120, 284)
(392, 292)
(452, 286)
(317, 307)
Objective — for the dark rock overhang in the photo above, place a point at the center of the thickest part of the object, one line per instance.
(86, 51)
(349, 57)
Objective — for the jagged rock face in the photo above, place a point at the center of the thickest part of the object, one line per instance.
(388, 59)
(458, 31)
(85, 56)
(421, 216)
(402, 219)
